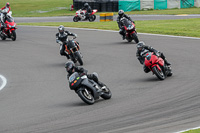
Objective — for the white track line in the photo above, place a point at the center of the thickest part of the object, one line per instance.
(187, 130)
(116, 31)
(4, 82)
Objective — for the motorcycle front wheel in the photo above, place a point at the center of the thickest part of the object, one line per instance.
(135, 37)
(86, 96)
(13, 35)
(158, 73)
(78, 57)
(106, 93)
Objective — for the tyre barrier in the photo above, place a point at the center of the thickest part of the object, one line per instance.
(106, 17)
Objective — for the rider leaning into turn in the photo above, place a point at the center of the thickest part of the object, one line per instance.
(2, 19)
(120, 24)
(88, 9)
(141, 47)
(62, 39)
(71, 68)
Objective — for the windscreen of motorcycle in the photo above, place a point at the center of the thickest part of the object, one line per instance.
(74, 80)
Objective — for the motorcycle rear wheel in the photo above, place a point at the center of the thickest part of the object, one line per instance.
(75, 19)
(158, 73)
(92, 18)
(86, 96)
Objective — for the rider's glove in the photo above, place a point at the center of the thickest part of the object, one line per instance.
(75, 35)
(61, 43)
(158, 53)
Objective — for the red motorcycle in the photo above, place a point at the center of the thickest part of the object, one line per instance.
(157, 65)
(9, 29)
(80, 16)
(129, 27)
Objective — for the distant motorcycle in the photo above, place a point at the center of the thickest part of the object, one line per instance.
(80, 16)
(157, 65)
(87, 89)
(129, 27)
(73, 50)
(9, 28)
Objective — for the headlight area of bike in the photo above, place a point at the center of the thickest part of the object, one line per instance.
(73, 80)
(130, 27)
(148, 56)
(11, 26)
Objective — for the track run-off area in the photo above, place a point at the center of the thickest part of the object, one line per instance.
(37, 99)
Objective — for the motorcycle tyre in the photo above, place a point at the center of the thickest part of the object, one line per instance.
(158, 73)
(3, 38)
(92, 18)
(75, 19)
(78, 56)
(84, 98)
(14, 35)
(107, 95)
(135, 37)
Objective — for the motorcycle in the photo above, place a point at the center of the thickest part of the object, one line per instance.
(87, 89)
(80, 16)
(129, 27)
(157, 65)
(72, 49)
(9, 28)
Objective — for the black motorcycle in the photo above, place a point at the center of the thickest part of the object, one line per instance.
(87, 89)
(73, 50)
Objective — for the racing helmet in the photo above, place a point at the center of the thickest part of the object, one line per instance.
(69, 66)
(86, 5)
(61, 29)
(8, 4)
(121, 13)
(140, 46)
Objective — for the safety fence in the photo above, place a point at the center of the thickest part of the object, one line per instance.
(129, 5)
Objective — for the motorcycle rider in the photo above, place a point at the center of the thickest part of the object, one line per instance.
(62, 39)
(88, 10)
(120, 24)
(141, 47)
(2, 16)
(71, 68)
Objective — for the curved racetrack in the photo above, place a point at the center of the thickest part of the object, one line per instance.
(37, 98)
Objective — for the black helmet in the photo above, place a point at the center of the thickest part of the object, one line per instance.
(121, 13)
(69, 66)
(61, 29)
(86, 5)
(140, 45)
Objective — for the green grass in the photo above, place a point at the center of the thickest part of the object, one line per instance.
(33, 8)
(193, 131)
(181, 27)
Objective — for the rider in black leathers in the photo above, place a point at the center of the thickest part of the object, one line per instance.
(141, 47)
(62, 39)
(71, 68)
(88, 9)
(120, 24)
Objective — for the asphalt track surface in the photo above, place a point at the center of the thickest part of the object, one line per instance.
(37, 98)
(134, 17)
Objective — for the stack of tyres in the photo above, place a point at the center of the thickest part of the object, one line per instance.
(109, 16)
(109, 6)
(102, 17)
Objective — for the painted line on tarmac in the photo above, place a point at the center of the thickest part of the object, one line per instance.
(185, 37)
(4, 82)
(187, 130)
